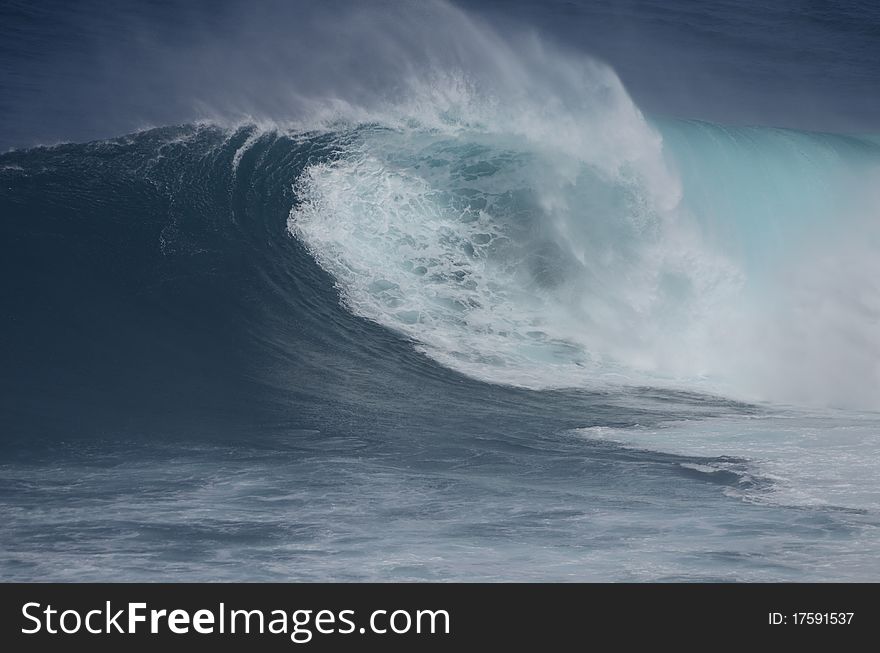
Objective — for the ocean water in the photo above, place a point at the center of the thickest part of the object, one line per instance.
(543, 291)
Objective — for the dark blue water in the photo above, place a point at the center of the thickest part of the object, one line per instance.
(430, 334)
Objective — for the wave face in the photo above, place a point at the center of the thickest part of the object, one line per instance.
(494, 308)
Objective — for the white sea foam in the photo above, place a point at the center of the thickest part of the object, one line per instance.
(793, 458)
(519, 223)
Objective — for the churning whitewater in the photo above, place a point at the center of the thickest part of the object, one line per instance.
(549, 236)
(459, 310)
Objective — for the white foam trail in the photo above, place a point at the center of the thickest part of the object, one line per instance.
(243, 148)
